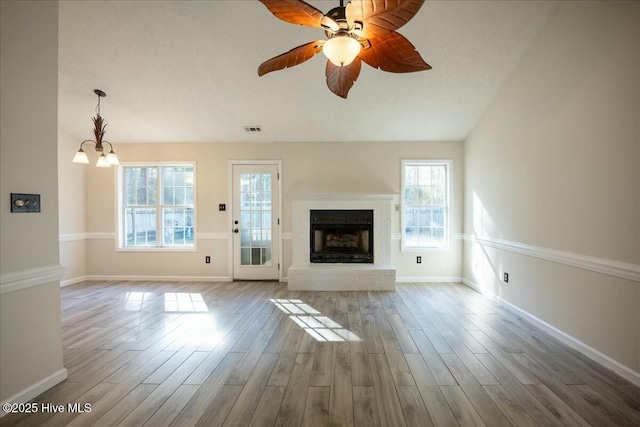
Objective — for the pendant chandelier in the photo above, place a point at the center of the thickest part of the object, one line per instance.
(104, 161)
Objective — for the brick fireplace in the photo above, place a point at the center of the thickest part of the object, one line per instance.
(353, 253)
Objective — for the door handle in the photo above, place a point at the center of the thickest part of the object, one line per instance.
(235, 230)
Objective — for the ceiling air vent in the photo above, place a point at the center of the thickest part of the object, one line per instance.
(253, 129)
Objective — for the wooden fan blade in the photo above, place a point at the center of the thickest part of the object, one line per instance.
(295, 12)
(381, 16)
(393, 53)
(295, 56)
(341, 79)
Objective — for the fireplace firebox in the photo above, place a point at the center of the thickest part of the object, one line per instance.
(341, 236)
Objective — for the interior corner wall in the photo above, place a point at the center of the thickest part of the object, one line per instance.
(72, 211)
(30, 325)
(323, 167)
(553, 165)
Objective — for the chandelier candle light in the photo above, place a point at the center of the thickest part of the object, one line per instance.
(104, 161)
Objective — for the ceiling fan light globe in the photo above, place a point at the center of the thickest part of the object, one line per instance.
(341, 50)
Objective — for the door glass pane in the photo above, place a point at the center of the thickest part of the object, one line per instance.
(244, 238)
(255, 219)
(245, 258)
(266, 256)
(255, 256)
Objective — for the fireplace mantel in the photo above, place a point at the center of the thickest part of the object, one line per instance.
(304, 275)
(340, 196)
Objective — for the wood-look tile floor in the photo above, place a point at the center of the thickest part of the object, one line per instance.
(254, 354)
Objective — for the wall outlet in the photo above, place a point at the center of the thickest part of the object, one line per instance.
(505, 277)
(207, 259)
(419, 259)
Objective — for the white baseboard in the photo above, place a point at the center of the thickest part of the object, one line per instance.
(606, 361)
(477, 288)
(406, 279)
(161, 278)
(73, 281)
(36, 389)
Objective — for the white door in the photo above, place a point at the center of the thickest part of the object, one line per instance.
(255, 222)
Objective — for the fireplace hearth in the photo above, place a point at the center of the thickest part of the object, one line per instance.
(341, 236)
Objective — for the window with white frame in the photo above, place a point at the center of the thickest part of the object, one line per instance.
(157, 206)
(425, 203)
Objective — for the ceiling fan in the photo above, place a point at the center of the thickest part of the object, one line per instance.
(363, 30)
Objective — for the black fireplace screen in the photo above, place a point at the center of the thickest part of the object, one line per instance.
(341, 236)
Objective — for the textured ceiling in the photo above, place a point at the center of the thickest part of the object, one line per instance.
(186, 71)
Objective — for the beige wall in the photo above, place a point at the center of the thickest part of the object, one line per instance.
(72, 209)
(30, 338)
(306, 168)
(554, 163)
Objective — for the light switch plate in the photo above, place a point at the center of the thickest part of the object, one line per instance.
(21, 202)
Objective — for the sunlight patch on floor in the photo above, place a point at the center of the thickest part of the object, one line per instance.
(133, 300)
(183, 302)
(320, 327)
